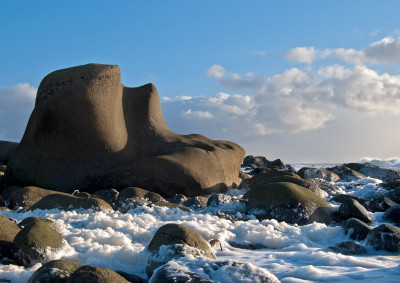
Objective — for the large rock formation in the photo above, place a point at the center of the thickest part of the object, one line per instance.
(89, 132)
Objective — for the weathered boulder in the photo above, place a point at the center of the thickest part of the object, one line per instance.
(172, 234)
(351, 208)
(37, 235)
(89, 132)
(374, 171)
(393, 215)
(70, 202)
(310, 172)
(7, 149)
(356, 229)
(8, 231)
(57, 271)
(385, 237)
(110, 195)
(94, 274)
(394, 195)
(25, 196)
(284, 201)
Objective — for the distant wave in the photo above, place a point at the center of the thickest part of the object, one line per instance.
(392, 162)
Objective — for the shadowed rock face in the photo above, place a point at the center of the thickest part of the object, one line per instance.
(89, 132)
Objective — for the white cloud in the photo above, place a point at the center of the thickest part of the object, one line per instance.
(196, 114)
(386, 50)
(216, 71)
(302, 54)
(16, 104)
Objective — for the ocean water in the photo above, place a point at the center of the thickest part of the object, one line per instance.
(293, 254)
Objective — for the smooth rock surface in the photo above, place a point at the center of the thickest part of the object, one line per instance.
(89, 132)
(94, 274)
(57, 271)
(8, 231)
(7, 149)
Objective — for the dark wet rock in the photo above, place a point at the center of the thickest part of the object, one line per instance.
(110, 195)
(356, 229)
(324, 185)
(93, 274)
(118, 137)
(254, 161)
(284, 201)
(25, 197)
(261, 170)
(2, 201)
(126, 204)
(325, 214)
(172, 272)
(196, 202)
(7, 149)
(385, 237)
(374, 171)
(246, 245)
(8, 231)
(394, 195)
(353, 209)
(388, 202)
(393, 215)
(178, 199)
(319, 173)
(70, 202)
(135, 192)
(133, 278)
(346, 174)
(368, 204)
(218, 199)
(37, 235)
(391, 185)
(172, 234)
(348, 248)
(57, 271)
(82, 195)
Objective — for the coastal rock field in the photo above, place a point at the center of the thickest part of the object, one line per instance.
(101, 190)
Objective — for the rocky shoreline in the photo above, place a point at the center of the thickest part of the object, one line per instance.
(101, 190)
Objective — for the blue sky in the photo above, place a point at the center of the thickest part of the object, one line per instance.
(313, 81)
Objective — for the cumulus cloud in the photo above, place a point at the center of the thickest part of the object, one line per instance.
(302, 54)
(216, 71)
(292, 102)
(16, 104)
(386, 50)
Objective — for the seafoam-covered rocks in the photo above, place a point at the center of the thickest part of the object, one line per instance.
(346, 174)
(212, 271)
(37, 235)
(385, 237)
(319, 173)
(284, 201)
(70, 202)
(351, 208)
(374, 171)
(172, 241)
(356, 229)
(348, 248)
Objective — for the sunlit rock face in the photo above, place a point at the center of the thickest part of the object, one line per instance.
(89, 132)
